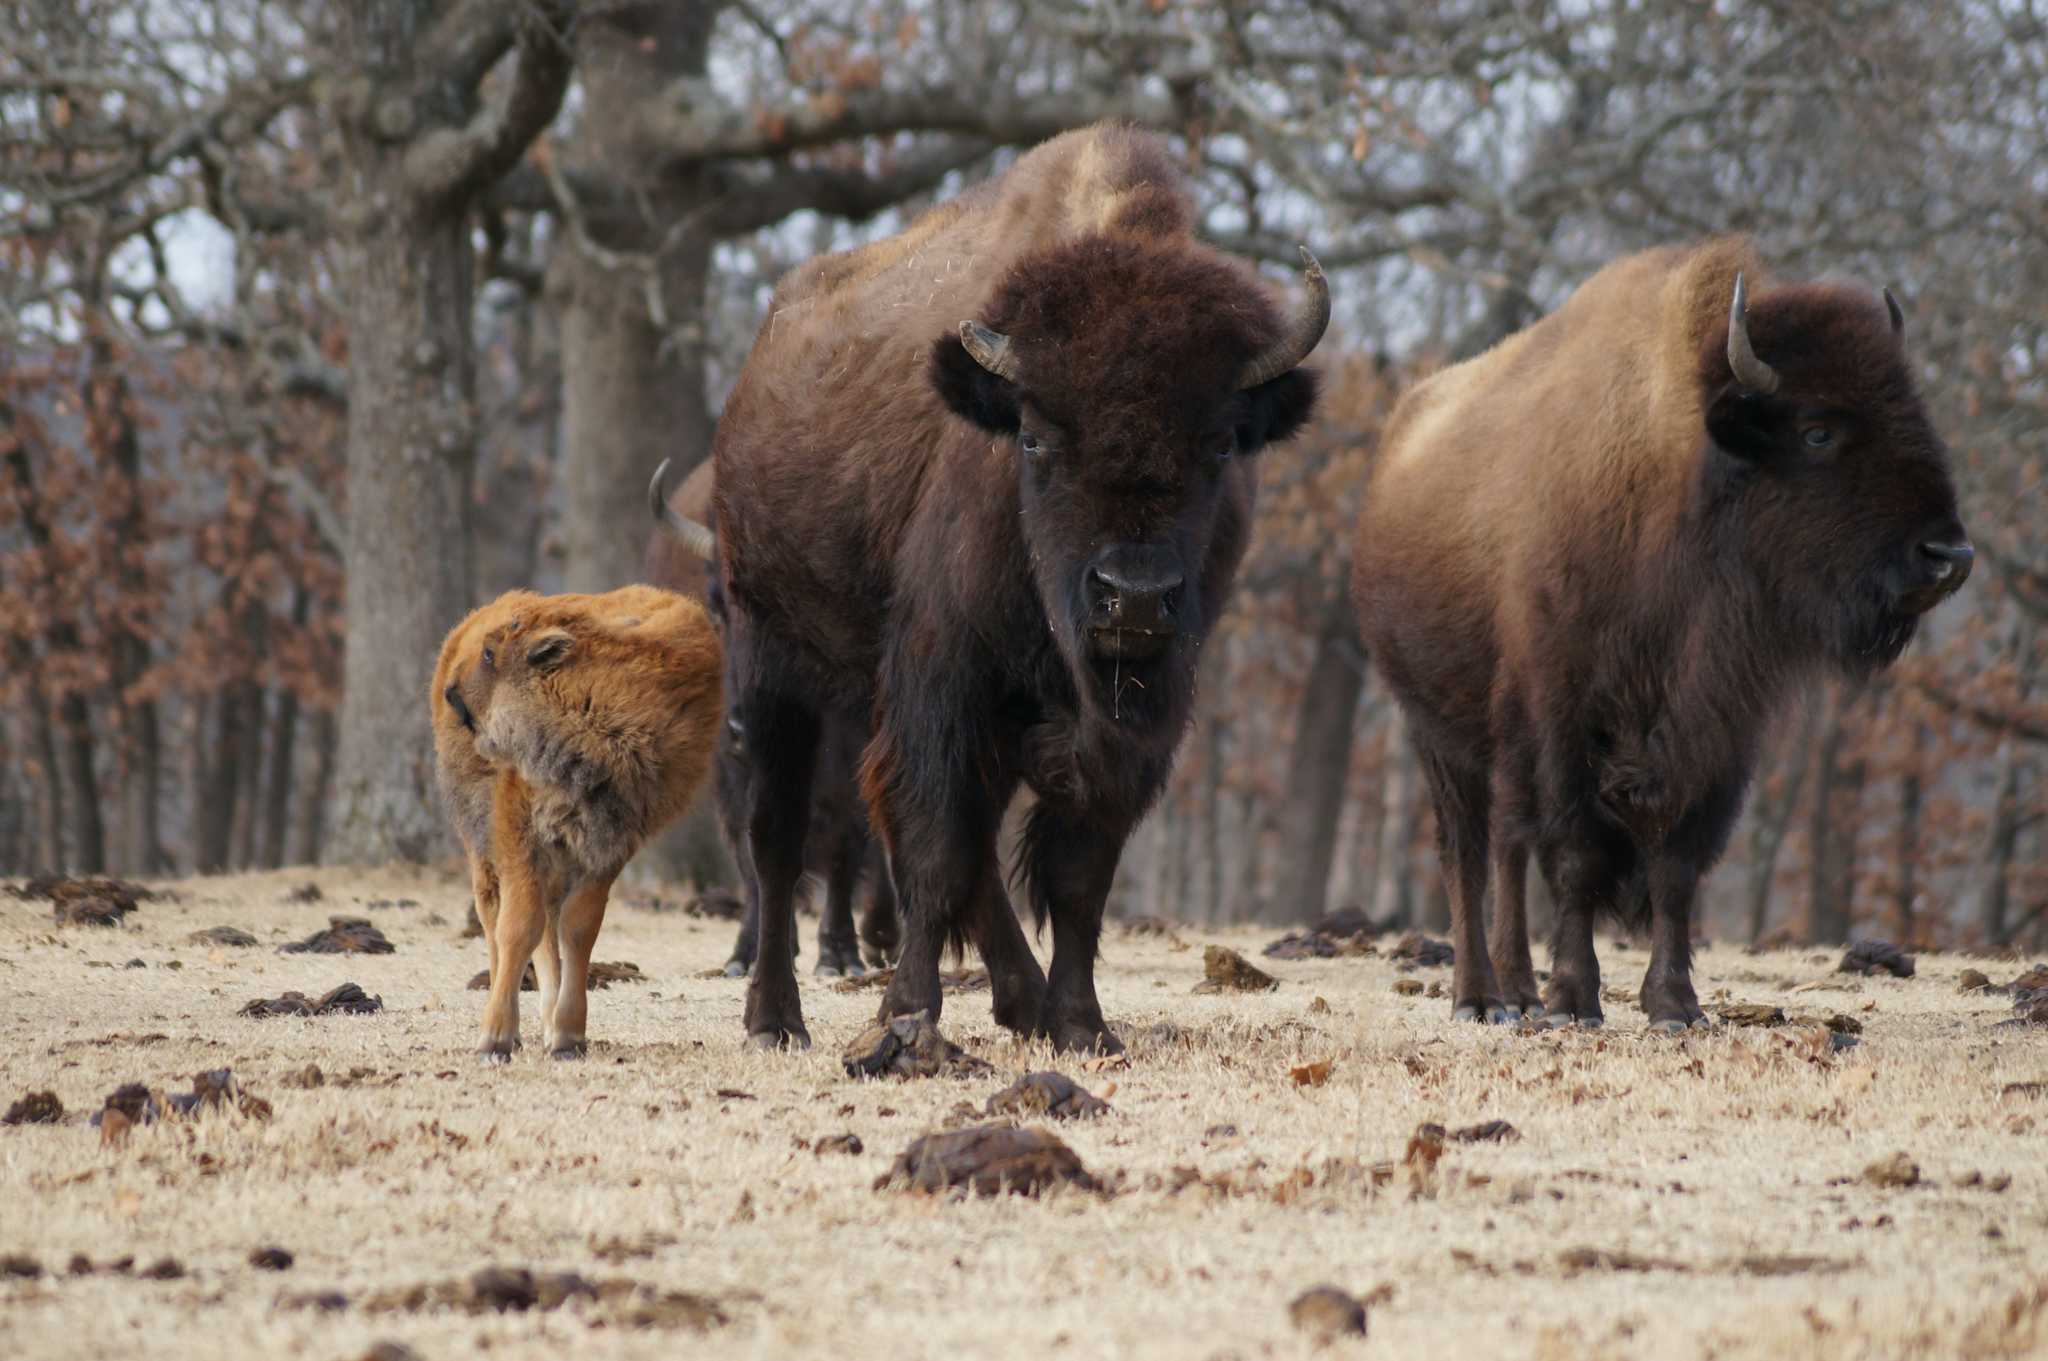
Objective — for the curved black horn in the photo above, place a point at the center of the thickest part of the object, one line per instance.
(1750, 371)
(991, 349)
(1303, 331)
(1891, 304)
(697, 538)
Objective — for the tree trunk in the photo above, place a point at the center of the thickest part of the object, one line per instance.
(1773, 819)
(219, 794)
(110, 431)
(1911, 797)
(2008, 812)
(1213, 907)
(416, 151)
(313, 803)
(411, 444)
(42, 743)
(1319, 769)
(199, 831)
(249, 781)
(1393, 887)
(632, 286)
(74, 755)
(1837, 800)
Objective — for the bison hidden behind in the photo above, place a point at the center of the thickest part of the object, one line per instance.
(839, 850)
(1594, 559)
(981, 489)
(567, 730)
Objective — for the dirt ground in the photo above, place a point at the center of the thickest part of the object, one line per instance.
(1666, 1198)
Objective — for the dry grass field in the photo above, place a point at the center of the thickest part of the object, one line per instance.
(1664, 1198)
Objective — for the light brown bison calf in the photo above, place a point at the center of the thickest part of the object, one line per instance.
(567, 730)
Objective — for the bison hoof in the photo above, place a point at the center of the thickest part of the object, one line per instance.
(496, 1051)
(838, 961)
(736, 968)
(1564, 1020)
(1493, 1013)
(1530, 1012)
(569, 1049)
(1085, 1039)
(767, 1041)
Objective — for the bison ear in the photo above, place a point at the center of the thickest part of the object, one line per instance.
(973, 393)
(549, 651)
(1740, 424)
(1278, 408)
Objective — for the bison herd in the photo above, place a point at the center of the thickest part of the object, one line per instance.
(979, 495)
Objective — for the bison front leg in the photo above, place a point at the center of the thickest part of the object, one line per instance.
(1667, 996)
(1073, 859)
(943, 860)
(782, 738)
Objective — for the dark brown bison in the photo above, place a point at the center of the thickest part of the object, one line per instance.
(981, 490)
(1595, 558)
(839, 850)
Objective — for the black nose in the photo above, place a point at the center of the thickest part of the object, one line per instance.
(1135, 588)
(1948, 560)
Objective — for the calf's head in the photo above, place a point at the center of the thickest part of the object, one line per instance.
(1133, 377)
(1824, 457)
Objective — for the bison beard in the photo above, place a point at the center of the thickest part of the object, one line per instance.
(1592, 562)
(991, 526)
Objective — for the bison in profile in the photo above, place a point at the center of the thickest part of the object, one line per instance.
(839, 851)
(567, 730)
(981, 490)
(1594, 559)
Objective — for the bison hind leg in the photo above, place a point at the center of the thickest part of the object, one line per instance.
(782, 734)
(1463, 798)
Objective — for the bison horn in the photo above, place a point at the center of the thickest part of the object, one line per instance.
(1750, 371)
(1891, 305)
(697, 538)
(1303, 331)
(991, 349)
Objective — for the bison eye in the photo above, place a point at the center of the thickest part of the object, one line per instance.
(1032, 446)
(1817, 436)
(1228, 447)
(490, 657)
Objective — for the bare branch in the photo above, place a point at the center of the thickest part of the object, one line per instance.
(683, 133)
(853, 194)
(241, 113)
(448, 166)
(1983, 715)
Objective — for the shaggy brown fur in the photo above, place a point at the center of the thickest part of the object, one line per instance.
(1592, 563)
(839, 850)
(568, 729)
(1003, 573)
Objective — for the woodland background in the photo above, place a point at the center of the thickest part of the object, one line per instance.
(320, 323)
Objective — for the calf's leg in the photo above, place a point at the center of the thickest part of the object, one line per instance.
(522, 922)
(581, 918)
